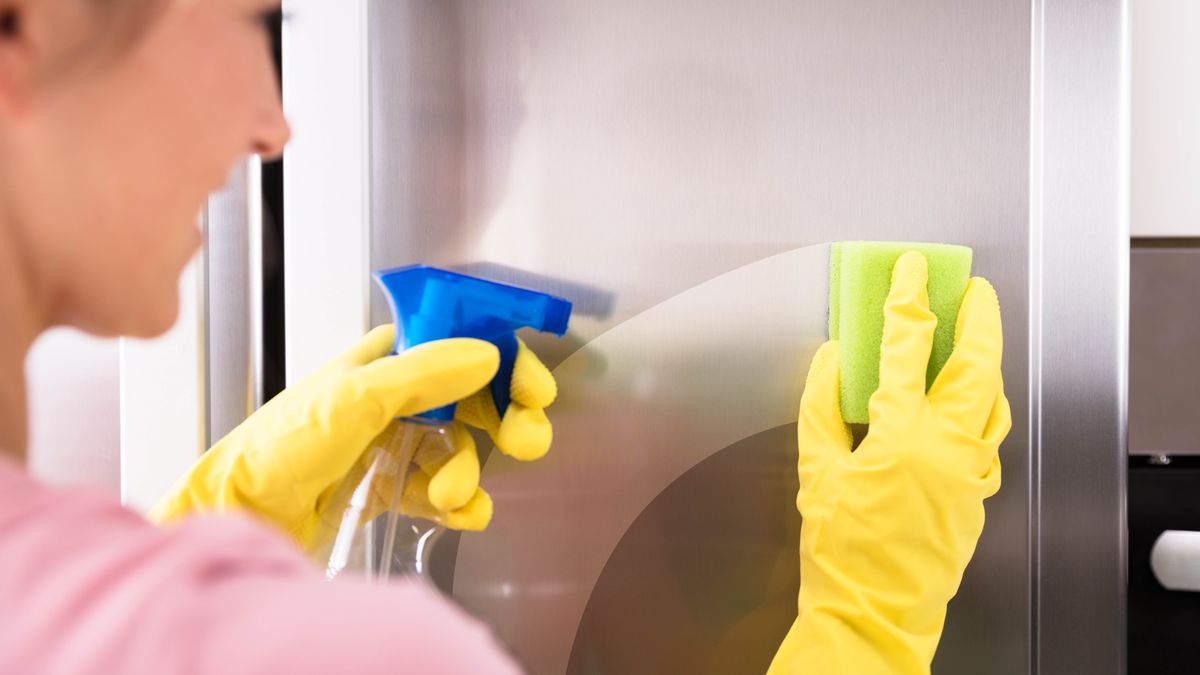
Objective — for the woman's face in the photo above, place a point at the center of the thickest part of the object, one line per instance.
(106, 167)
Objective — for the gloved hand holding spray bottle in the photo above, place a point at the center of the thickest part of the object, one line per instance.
(363, 527)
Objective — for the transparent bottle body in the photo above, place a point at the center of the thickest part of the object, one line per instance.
(365, 527)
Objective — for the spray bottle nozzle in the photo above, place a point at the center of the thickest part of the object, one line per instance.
(434, 304)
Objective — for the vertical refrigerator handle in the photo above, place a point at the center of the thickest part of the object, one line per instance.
(234, 260)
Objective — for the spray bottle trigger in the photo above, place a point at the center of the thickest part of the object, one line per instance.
(501, 385)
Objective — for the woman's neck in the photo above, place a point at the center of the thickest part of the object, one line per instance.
(19, 327)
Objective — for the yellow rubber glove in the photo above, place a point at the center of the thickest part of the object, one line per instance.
(889, 528)
(285, 461)
(525, 432)
(447, 490)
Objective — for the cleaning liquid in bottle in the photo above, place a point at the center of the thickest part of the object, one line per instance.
(363, 528)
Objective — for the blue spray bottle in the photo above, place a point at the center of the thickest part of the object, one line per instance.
(363, 528)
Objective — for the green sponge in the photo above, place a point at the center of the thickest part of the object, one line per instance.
(860, 274)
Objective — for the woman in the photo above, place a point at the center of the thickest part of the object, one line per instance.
(117, 118)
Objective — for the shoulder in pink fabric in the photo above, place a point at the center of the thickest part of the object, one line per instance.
(88, 586)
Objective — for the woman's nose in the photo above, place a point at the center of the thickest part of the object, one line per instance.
(272, 134)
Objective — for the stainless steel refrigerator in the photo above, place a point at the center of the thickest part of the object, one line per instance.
(675, 168)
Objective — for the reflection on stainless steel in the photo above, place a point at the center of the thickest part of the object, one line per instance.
(585, 300)
(640, 406)
(704, 580)
(665, 151)
(647, 148)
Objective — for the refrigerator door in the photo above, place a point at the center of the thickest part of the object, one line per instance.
(677, 169)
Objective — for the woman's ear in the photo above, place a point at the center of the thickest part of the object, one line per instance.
(17, 56)
(8, 21)
(36, 36)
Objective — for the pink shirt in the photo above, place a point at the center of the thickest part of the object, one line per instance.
(87, 586)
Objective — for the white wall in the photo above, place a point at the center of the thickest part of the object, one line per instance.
(127, 415)
(74, 410)
(162, 409)
(1165, 152)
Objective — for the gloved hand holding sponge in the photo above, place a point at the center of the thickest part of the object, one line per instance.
(889, 527)
(285, 461)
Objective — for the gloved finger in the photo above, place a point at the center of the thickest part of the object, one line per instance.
(823, 436)
(999, 422)
(908, 326)
(983, 455)
(532, 384)
(524, 433)
(454, 478)
(991, 479)
(965, 390)
(474, 517)
(479, 411)
(376, 344)
(415, 502)
(422, 378)
(366, 399)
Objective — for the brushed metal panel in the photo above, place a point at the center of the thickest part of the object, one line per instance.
(1080, 285)
(1164, 330)
(640, 407)
(728, 615)
(639, 150)
(234, 314)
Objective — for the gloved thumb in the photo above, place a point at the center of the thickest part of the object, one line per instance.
(821, 433)
(427, 377)
(374, 345)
